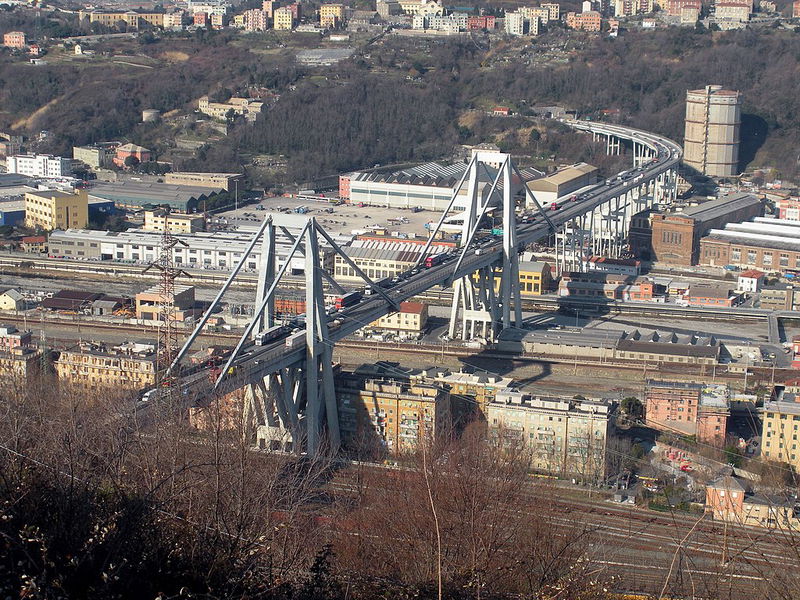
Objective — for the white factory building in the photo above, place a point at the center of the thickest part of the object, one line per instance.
(220, 250)
(39, 165)
(429, 187)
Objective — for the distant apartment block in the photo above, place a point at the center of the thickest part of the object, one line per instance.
(256, 20)
(690, 409)
(283, 18)
(390, 414)
(690, 14)
(586, 21)
(422, 7)
(560, 435)
(538, 11)
(51, 209)
(174, 20)
(796, 9)
(19, 359)
(788, 208)
(387, 8)
(553, 9)
(675, 8)
(780, 427)
(734, 10)
(515, 23)
(14, 39)
(95, 157)
(158, 220)
(331, 16)
(209, 8)
(96, 366)
(244, 107)
(488, 22)
(39, 165)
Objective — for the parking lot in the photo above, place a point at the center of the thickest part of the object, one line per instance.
(339, 219)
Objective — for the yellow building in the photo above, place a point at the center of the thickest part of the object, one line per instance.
(133, 19)
(481, 386)
(561, 435)
(16, 366)
(390, 415)
(157, 220)
(780, 427)
(331, 15)
(51, 209)
(412, 317)
(534, 278)
(94, 366)
(283, 18)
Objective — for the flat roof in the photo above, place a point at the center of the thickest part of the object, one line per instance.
(753, 240)
(51, 194)
(581, 338)
(720, 207)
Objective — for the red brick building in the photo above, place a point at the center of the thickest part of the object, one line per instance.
(676, 236)
(690, 409)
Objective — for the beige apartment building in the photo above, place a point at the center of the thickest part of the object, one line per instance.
(96, 367)
(158, 220)
(283, 18)
(388, 414)
(51, 209)
(331, 15)
(561, 435)
(780, 428)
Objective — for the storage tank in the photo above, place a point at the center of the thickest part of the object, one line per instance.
(150, 114)
(711, 139)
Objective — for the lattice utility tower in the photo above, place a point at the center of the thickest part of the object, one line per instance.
(167, 332)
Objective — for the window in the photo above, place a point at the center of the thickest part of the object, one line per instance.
(766, 259)
(751, 257)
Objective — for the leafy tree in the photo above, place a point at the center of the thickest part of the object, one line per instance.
(632, 407)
